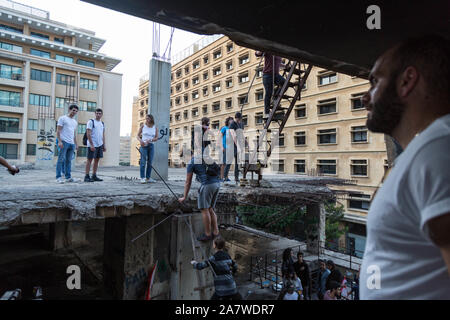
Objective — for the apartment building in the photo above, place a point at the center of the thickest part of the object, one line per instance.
(325, 133)
(45, 65)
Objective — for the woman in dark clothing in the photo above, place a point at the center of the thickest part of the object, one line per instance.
(335, 274)
(287, 267)
(302, 270)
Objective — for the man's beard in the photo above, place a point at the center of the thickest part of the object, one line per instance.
(387, 112)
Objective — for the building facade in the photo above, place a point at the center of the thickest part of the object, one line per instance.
(125, 144)
(45, 65)
(324, 135)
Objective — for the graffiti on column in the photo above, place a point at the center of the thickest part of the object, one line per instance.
(46, 142)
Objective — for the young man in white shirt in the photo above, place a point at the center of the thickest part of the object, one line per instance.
(95, 132)
(407, 253)
(67, 142)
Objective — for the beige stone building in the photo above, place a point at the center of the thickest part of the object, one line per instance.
(325, 133)
(46, 64)
(125, 148)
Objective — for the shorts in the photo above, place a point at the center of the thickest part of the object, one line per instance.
(97, 154)
(207, 195)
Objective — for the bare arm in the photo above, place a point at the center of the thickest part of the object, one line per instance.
(89, 136)
(104, 140)
(439, 233)
(139, 134)
(75, 138)
(58, 135)
(10, 168)
(187, 186)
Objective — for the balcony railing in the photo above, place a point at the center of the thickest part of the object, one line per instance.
(11, 104)
(12, 76)
(10, 130)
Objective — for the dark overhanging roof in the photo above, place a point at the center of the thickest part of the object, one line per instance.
(329, 34)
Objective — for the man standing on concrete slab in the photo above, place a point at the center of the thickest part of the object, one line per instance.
(407, 254)
(67, 142)
(209, 188)
(225, 167)
(95, 133)
(236, 133)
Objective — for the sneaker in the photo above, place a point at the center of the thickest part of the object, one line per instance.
(143, 180)
(88, 179)
(95, 178)
(60, 180)
(151, 180)
(204, 237)
(227, 180)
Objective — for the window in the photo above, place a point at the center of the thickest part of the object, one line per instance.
(9, 28)
(39, 35)
(10, 47)
(39, 53)
(170, 118)
(228, 103)
(195, 80)
(327, 136)
(65, 79)
(327, 78)
(196, 65)
(278, 165)
(300, 138)
(177, 100)
(244, 59)
(178, 116)
(300, 111)
(195, 112)
(243, 77)
(215, 124)
(10, 72)
(217, 71)
(229, 83)
(60, 40)
(63, 58)
(205, 109)
(359, 168)
(259, 72)
(178, 73)
(217, 54)
(359, 134)
(216, 106)
(31, 149)
(185, 130)
(10, 125)
(206, 59)
(326, 166)
(259, 118)
(9, 150)
(177, 134)
(178, 87)
(242, 99)
(81, 129)
(195, 94)
(185, 114)
(10, 98)
(82, 151)
(88, 84)
(90, 106)
(205, 91)
(244, 121)
(326, 106)
(32, 125)
(281, 140)
(186, 84)
(186, 98)
(229, 65)
(359, 201)
(356, 101)
(259, 95)
(41, 75)
(216, 87)
(86, 63)
(39, 100)
(186, 70)
(300, 166)
(229, 47)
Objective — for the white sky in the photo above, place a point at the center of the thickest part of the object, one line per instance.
(128, 38)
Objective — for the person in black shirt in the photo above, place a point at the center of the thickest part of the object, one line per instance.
(302, 270)
(335, 274)
(237, 124)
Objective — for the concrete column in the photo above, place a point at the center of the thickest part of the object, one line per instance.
(25, 96)
(315, 227)
(67, 234)
(159, 102)
(100, 93)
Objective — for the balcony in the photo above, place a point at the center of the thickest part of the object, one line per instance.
(11, 106)
(11, 133)
(12, 79)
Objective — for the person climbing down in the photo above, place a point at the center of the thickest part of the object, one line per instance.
(223, 268)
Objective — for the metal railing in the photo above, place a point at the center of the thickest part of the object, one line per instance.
(24, 8)
(10, 103)
(10, 130)
(12, 76)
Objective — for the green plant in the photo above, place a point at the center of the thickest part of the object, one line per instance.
(334, 216)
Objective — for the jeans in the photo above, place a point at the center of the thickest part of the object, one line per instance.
(227, 165)
(147, 153)
(268, 87)
(65, 157)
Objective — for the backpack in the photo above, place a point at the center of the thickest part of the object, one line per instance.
(85, 138)
(212, 169)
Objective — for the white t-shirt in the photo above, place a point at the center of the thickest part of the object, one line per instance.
(291, 296)
(398, 247)
(68, 125)
(96, 133)
(148, 134)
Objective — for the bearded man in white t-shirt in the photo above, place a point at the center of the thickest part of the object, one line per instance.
(95, 132)
(67, 143)
(407, 253)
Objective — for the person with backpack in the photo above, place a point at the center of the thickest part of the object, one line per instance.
(95, 140)
(207, 173)
(223, 268)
